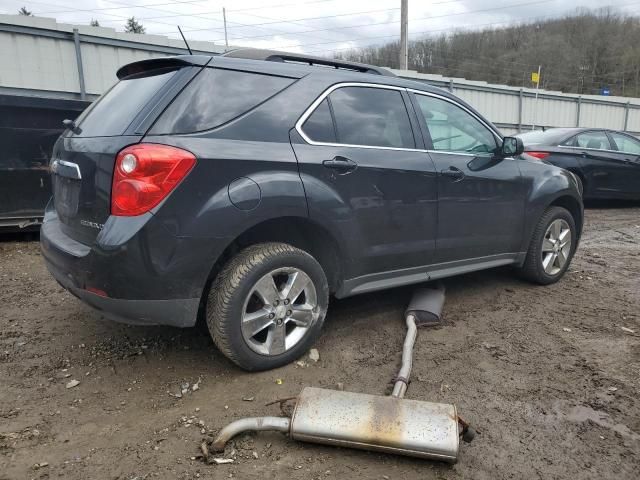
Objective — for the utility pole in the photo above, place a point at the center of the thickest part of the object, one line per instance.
(404, 35)
(224, 18)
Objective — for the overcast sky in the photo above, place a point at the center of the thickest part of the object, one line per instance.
(321, 27)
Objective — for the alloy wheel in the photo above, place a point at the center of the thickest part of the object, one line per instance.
(279, 310)
(556, 246)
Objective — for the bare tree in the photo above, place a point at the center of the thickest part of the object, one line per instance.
(583, 52)
(133, 26)
(25, 12)
(94, 23)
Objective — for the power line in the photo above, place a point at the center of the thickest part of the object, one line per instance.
(175, 2)
(207, 18)
(179, 2)
(411, 20)
(274, 22)
(423, 32)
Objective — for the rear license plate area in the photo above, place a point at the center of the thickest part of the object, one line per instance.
(66, 193)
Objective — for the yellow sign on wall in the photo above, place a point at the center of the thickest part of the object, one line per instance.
(535, 77)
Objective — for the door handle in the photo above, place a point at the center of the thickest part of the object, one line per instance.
(342, 165)
(454, 173)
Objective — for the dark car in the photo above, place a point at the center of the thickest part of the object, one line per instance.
(29, 127)
(606, 162)
(248, 191)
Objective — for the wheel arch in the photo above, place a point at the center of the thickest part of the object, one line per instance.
(573, 206)
(577, 171)
(565, 200)
(300, 232)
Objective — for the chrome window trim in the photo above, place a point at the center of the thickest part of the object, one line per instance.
(309, 111)
(594, 149)
(453, 102)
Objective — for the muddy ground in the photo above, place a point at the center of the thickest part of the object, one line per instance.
(547, 374)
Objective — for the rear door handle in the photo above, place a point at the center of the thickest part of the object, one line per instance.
(454, 173)
(342, 165)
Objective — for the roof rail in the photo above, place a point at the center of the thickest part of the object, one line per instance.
(276, 56)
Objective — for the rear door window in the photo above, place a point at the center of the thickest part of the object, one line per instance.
(372, 117)
(115, 110)
(592, 140)
(215, 97)
(626, 144)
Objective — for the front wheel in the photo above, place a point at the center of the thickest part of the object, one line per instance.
(552, 247)
(267, 306)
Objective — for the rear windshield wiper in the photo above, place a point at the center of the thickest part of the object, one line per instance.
(71, 125)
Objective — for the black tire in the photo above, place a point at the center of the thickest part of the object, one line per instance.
(234, 284)
(533, 269)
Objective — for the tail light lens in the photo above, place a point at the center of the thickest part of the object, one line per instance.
(538, 155)
(145, 174)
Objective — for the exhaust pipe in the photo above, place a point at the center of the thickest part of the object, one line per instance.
(370, 422)
(253, 424)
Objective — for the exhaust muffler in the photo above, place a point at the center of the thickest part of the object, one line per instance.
(371, 422)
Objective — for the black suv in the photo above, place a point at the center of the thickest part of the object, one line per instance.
(247, 191)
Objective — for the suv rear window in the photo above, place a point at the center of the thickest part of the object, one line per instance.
(215, 97)
(112, 113)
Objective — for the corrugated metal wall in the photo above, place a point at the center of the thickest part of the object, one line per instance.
(517, 109)
(42, 55)
(41, 58)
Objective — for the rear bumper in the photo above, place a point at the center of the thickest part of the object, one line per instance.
(152, 278)
(174, 312)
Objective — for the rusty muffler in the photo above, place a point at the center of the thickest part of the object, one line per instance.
(370, 422)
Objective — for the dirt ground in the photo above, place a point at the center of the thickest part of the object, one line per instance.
(547, 374)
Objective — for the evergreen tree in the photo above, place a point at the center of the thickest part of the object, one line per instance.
(133, 26)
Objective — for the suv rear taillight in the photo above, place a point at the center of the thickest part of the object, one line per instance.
(145, 174)
(538, 155)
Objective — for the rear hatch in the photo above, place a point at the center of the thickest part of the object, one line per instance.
(83, 159)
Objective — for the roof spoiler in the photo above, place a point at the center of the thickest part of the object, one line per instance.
(164, 62)
(276, 56)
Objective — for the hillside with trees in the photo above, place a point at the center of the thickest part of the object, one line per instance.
(580, 53)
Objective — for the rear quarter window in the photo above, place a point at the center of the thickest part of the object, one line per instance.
(319, 126)
(215, 97)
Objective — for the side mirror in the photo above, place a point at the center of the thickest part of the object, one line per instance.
(511, 146)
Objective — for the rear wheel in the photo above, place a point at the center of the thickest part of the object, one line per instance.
(552, 246)
(267, 306)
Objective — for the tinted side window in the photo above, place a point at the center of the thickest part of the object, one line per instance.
(453, 129)
(215, 97)
(115, 110)
(595, 140)
(626, 144)
(319, 126)
(371, 116)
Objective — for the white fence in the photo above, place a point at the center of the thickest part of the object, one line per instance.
(45, 58)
